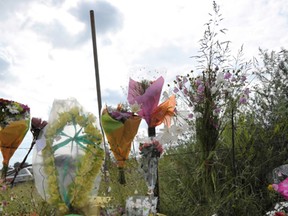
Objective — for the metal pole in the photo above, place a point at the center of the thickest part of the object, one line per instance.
(98, 89)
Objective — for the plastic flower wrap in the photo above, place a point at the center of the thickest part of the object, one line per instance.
(66, 169)
(141, 206)
(150, 152)
(280, 178)
(37, 126)
(14, 124)
(120, 127)
(147, 95)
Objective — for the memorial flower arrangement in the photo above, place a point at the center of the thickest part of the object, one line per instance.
(147, 94)
(280, 186)
(141, 206)
(150, 153)
(120, 126)
(151, 149)
(37, 126)
(11, 111)
(72, 157)
(14, 124)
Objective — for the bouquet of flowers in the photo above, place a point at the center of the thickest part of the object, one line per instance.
(66, 169)
(14, 124)
(147, 95)
(280, 185)
(141, 206)
(151, 149)
(150, 152)
(120, 127)
(11, 111)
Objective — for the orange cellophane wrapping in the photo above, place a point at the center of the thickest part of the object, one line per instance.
(163, 113)
(11, 137)
(120, 139)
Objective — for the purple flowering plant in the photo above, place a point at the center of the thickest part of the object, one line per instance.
(217, 89)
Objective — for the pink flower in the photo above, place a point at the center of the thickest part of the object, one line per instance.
(282, 188)
(4, 203)
(4, 187)
(227, 75)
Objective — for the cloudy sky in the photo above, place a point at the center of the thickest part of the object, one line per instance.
(46, 47)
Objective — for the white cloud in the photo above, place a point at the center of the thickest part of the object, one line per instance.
(46, 48)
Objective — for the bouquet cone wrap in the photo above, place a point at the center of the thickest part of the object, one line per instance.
(14, 124)
(147, 97)
(120, 135)
(11, 137)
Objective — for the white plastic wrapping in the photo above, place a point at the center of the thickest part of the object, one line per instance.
(71, 153)
(141, 206)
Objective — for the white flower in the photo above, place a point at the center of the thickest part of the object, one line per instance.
(13, 109)
(165, 95)
(138, 203)
(198, 114)
(220, 78)
(213, 89)
(135, 107)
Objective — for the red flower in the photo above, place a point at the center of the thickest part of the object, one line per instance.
(36, 126)
(37, 123)
(279, 214)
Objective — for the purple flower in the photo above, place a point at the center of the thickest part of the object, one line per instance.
(25, 108)
(190, 116)
(243, 100)
(247, 91)
(227, 75)
(198, 82)
(185, 79)
(217, 110)
(185, 91)
(121, 116)
(243, 78)
(175, 90)
(200, 89)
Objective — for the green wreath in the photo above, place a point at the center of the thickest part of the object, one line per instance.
(89, 138)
